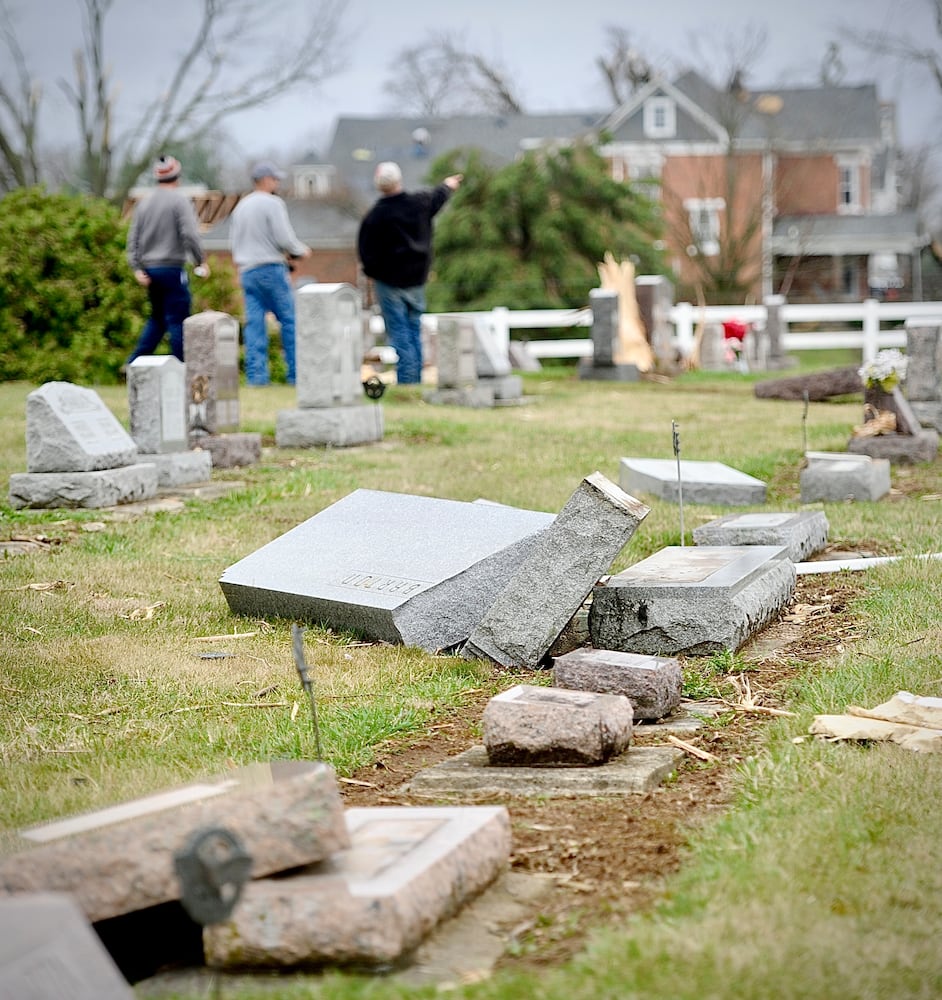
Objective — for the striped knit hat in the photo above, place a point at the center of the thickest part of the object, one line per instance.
(167, 168)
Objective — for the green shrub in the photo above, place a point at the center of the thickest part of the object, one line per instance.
(70, 309)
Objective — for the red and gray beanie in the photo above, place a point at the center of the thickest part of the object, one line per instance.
(167, 168)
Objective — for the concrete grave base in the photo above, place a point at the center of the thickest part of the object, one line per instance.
(475, 396)
(609, 373)
(181, 468)
(48, 951)
(701, 482)
(651, 683)
(898, 448)
(230, 451)
(407, 869)
(635, 772)
(120, 859)
(505, 388)
(528, 726)
(802, 533)
(340, 426)
(692, 600)
(103, 488)
(837, 477)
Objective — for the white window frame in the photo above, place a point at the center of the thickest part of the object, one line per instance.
(660, 118)
(848, 186)
(703, 216)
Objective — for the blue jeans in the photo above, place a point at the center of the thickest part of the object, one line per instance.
(402, 310)
(267, 290)
(169, 296)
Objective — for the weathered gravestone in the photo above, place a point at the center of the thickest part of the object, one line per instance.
(211, 352)
(802, 532)
(158, 410)
(605, 334)
(48, 951)
(840, 476)
(924, 370)
(529, 726)
(910, 442)
(77, 453)
(121, 859)
(329, 347)
(558, 574)
(457, 367)
(700, 482)
(652, 684)
(655, 295)
(493, 364)
(697, 600)
(389, 566)
(406, 870)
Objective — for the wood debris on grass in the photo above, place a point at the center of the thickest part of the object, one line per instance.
(746, 701)
(694, 751)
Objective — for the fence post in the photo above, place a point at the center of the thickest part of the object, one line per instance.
(683, 328)
(871, 329)
(499, 322)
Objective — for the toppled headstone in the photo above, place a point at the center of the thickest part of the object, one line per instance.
(802, 533)
(407, 869)
(211, 350)
(389, 566)
(121, 859)
(818, 386)
(696, 600)
(77, 453)
(652, 684)
(700, 482)
(48, 951)
(840, 476)
(329, 345)
(529, 726)
(595, 524)
(157, 408)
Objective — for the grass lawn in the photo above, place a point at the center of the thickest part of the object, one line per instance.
(823, 880)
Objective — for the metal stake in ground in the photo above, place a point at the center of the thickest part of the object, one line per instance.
(675, 435)
(297, 644)
(804, 424)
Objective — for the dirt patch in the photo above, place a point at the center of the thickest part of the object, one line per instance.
(608, 857)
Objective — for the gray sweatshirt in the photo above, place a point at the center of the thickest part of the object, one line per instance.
(261, 232)
(164, 231)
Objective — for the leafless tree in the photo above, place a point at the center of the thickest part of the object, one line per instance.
(208, 83)
(19, 113)
(901, 46)
(442, 76)
(624, 69)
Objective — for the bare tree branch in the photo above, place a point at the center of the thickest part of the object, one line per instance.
(624, 69)
(19, 114)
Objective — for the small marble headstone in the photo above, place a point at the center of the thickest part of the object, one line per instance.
(329, 345)
(700, 482)
(211, 351)
(157, 404)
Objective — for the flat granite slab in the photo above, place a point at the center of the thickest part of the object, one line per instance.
(842, 476)
(48, 951)
(802, 532)
(407, 869)
(695, 600)
(389, 566)
(702, 482)
(121, 859)
(636, 772)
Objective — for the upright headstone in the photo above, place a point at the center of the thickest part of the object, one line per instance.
(389, 566)
(457, 366)
(158, 416)
(910, 442)
(48, 951)
(605, 331)
(329, 348)
(211, 352)
(493, 364)
(77, 453)
(713, 350)
(655, 295)
(924, 370)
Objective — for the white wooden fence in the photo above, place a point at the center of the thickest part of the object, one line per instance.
(880, 325)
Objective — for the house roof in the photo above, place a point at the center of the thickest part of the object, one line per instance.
(825, 235)
(320, 224)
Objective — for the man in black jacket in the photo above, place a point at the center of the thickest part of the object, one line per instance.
(395, 248)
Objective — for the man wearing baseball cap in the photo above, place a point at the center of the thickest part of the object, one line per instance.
(164, 233)
(261, 237)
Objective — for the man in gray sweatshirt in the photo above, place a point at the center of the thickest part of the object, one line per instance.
(261, 238)
(164, 233)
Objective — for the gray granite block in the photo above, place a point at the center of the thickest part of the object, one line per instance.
(477, 396)
(180, 468)
(406, 870)
(535, 606)
(901, 449)
(609, 373)
(120, 859)
(339, 426)
(929, 414)
(329, 341)
(157, 404)
(104, 488)
(529, 726)
(69, 429)
(924, 357)
(232, 451)
(211, 353)
(702, 482)
(652, 684)
(502, 386)
(48, 951)
(389, 566)
(838, 476)
(694, 600)
(802, 532)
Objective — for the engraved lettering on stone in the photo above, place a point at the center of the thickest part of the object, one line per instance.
(381, 584)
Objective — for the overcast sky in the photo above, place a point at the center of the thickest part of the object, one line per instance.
(548, 48)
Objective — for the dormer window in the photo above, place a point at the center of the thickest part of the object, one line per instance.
(660, 118)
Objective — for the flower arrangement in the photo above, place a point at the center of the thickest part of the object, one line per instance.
(885, 371)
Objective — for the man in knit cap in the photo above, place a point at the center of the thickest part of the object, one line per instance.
(164, 233)
(395, 248)
(261, 238)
